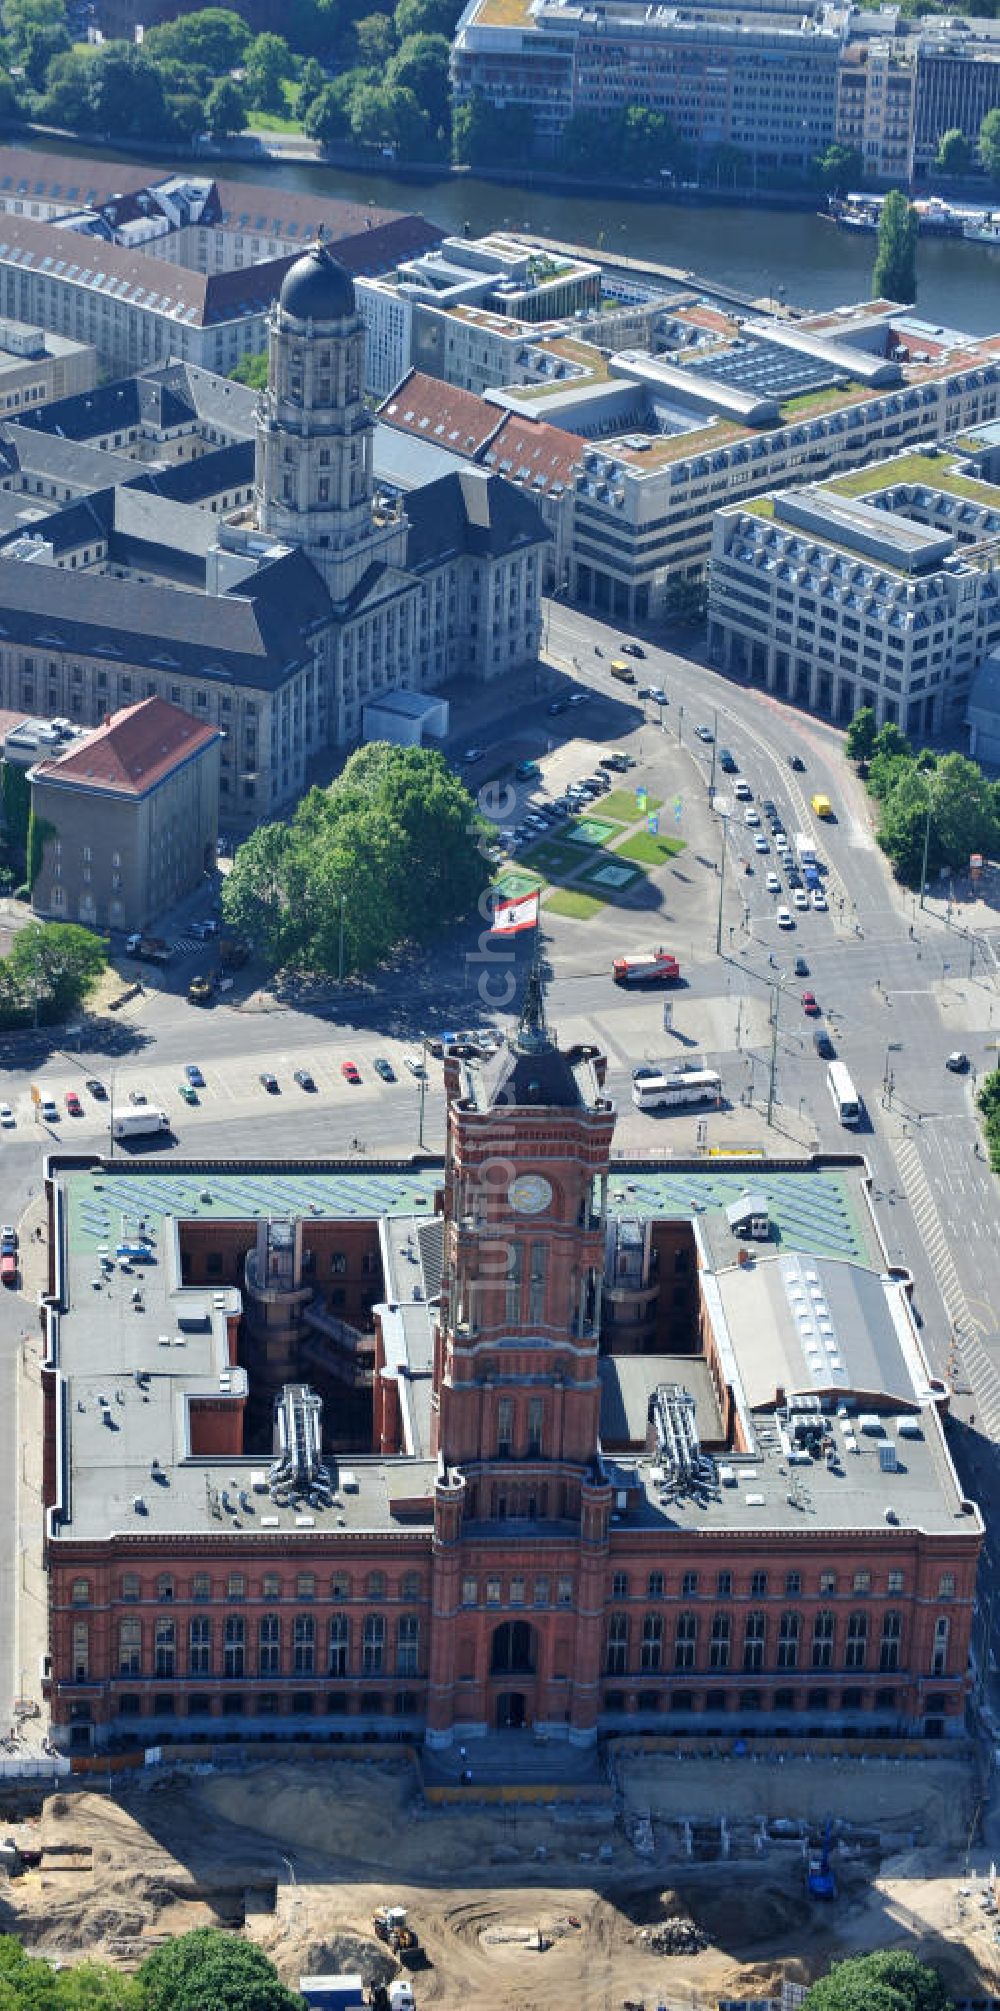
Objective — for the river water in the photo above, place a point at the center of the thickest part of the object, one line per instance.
(756, 251)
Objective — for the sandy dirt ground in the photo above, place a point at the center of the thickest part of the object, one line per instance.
(296, 1852)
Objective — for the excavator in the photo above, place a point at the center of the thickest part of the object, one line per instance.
(391, 1926)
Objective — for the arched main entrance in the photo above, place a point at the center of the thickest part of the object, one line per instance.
(513, 1652)
(512, 1711)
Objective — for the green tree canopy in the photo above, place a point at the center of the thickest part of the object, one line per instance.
(212, 1971)
(889, 1980)
(374, 41)
(226, 109)
(427, 17)
(251, 370)
(860, 744)
(126, 92)
(215, 39)
(485, 135)
(267, 63)
(310, 85)
(954, 153)
(328, 119)
(56, 964)
(895, 274)
(989, 143)
(420, 65)
(387, 115)
(67, 100)
(840, 168)
(392, 847)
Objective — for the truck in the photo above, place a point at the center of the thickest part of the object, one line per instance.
(145, 1123)
(151, 949)
(658, 967)
(821, 805)
(805, 848)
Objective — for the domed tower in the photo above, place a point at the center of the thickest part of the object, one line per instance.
(314, 433)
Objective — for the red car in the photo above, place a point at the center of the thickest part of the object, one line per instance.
(350, 1071)
(73, 1104)
(809, 1004)
(8, 1269)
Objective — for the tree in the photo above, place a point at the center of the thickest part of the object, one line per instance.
(420, 65)
(390, 849)
(126, 93)
(42, 42)
(186, 112)
(384, 115)
(67, 100)
(427, 17)
(373, 41)
(484, 135)
(860, 744)
(252, 370)
(840, 168)
(211, 1971)
(889, 1980)
(310, 86)
(11, 106)
(895, 274)
(268, 62)
(329, 116)
(49, 970)
(214, 39)
(989, 143)
(954, 154)
(226, 110)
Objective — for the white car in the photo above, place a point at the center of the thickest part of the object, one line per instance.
(780, 842)
(784, 919)
(414, 1062)
(743, 792)
(751, 817)
(800, 898)
(6, 1115)
(773, 883)
(760, 843)
(705, 733)
(818, 898)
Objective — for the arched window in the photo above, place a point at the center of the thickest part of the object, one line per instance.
(856, 1649)
(651, 1650)
(788, 1641)
(822, 1639)
(617, 1657)
(269, 1645)
(513, 1650)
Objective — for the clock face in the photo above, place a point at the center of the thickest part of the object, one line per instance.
(529, 1194)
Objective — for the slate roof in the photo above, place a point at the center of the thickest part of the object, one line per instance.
(212, 474)
(257, 636)
(132, 752)
(469, 511)
(179, 394)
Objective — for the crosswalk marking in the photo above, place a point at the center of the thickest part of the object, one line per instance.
(980, 1370)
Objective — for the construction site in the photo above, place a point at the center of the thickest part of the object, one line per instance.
(671, 1878)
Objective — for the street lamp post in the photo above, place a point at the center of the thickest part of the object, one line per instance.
(773, 1071)
(724, 821)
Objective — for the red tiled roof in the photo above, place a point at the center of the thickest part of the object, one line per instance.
(432, 410)
(132, 751)
(531, 452)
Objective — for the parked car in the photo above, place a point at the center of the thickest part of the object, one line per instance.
(704, 733)
(73, 1104)
(728, 761)
(819, 899)
(526, 771)
(958, 1062)
(269, 1082)
(773, 884)
(385, 1068)
(760, 843)
(7, 1118)
(415, 1064)
(350, 1071)
(194, 1075)
(800, 967)
(823, 1044)
(800, 898)
(188, 1091)
(8, 1237)
(8, 1270)
(809, 1005)
(137, 1096)
(96, 1088)
(304, 1079)
(784, 919)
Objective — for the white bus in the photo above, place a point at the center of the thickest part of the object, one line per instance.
(669, 1092)
(846, 1101)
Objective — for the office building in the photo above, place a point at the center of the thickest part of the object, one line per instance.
(880, 589)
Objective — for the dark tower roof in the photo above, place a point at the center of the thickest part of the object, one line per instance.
(317, 288)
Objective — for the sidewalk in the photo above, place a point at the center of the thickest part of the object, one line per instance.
(31, 1592)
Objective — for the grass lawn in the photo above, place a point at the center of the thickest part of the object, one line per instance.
(621, 804)
(278, 122)
(557, 861)
(648, 850)
(579, 907)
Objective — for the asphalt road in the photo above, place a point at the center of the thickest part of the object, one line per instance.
(895, 988)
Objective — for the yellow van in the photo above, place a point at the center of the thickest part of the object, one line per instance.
(821, 806)
(622, 671)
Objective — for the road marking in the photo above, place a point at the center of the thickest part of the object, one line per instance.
(980, 1370)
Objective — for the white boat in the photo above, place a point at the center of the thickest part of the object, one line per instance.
(983, 229)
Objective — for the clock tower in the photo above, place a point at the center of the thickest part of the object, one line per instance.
(516, 1387)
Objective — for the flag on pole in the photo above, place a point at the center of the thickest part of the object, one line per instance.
(653, 823)
(641, 799)
(514, 913)
(677, 809)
